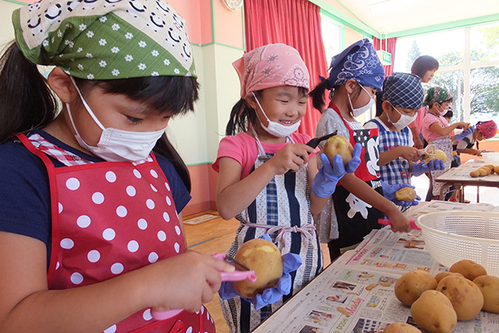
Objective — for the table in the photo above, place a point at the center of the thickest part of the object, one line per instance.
(459, 177)
(355, 294)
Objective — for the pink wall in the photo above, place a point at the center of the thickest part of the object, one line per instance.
(204, 184)
(197, 14)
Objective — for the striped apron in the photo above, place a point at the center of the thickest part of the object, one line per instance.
(282, 210)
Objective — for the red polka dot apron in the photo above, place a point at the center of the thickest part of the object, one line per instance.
(110, 218)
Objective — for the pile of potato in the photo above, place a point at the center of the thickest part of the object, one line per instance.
(438, 302)
(489, 169)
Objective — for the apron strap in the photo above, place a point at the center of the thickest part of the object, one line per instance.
(307, 230)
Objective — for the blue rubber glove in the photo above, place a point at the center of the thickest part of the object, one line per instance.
(419, 168)
(290, 261)
(389, 193)
(324, 183)
(465, 133)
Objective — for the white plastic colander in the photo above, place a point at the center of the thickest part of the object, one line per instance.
(453, 236)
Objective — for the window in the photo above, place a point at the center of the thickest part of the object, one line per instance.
(332, 33)
(469, 67)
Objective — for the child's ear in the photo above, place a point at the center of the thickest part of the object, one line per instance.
(386, 106)
(60, 82)
(251, 101)
(350, 86)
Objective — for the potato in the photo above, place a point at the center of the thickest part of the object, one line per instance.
(483, 171)
(496, 169)
(475, 173)
(441, 275)
(465, 296)
(400, 328)
(439, 155)
(411, 285)
(468, 268)
(338, 144)
(433, 312)
(264, 258)
(406, 194)
(489, 286)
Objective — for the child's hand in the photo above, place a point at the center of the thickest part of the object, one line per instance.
(462, 124)
(465, 133)
(390, 190)
(185, 281)
(399, 222)
(409, 153)
(291, 157)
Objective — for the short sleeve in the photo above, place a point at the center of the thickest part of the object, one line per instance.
(181, 195)
(25, 193)
(370, 125)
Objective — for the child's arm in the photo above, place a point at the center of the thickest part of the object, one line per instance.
(406, 152)
(235, 194)
(447, 130)
(181, 282)
(366, 193)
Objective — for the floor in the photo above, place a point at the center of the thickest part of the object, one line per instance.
(212, 236)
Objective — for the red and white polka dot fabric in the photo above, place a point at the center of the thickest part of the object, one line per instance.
(110, 218)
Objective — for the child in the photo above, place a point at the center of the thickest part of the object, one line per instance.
(402, 96)
(425, 67)
(265, 176)
(91, 228)
(355, 76)
(437, 131)
(483, 130)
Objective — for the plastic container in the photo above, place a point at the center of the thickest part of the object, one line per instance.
(453, 236)
(491, 158)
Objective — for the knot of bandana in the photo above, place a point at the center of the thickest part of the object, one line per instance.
(105, 40)
(436, 95)
(403, 90)
(271, 66)
(360, 62)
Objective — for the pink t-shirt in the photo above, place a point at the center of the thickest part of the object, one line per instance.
(244, 149)
(428, 120)
(418, 122)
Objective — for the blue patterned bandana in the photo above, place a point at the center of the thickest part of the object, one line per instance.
(403, 90)
(360, 62)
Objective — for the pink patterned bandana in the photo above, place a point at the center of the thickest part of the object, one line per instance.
(488, 128)
(271, 66)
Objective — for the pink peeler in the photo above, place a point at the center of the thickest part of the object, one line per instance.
(237, 275)
(387, 222)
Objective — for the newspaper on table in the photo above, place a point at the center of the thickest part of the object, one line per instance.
(462, 172)
(355, 294)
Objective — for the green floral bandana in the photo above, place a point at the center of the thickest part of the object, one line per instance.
(438, 95)
(105, 39)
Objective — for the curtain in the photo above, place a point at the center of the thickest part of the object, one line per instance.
(389, 46)
(296, 23)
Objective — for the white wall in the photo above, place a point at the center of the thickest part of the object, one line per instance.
(6, 29)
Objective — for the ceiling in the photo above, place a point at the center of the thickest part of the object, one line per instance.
(391, 16)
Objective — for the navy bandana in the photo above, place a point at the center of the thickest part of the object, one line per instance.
(403, 90)
(360, 62)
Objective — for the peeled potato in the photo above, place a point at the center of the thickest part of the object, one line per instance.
(439, 155)
(338, 144)
(264, 258)
(433, 312)
(406, 194)
(483, 171)
(465, 296)
(411, 285)
(489, 286)
(468, 268)
(496, 169)
(475, 173)
(400, 328)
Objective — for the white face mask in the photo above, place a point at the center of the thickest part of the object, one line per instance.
(403, 121)
(357, 112)
(277, 129)
(117, 145)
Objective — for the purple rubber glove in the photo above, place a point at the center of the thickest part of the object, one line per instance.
(290, 261)
(465, 133)
(389, 193)
(419, 168)
(324, 183)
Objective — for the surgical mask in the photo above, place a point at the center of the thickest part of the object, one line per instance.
(117, 145)
(357, 112)
(275, 128)
(403, 121)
